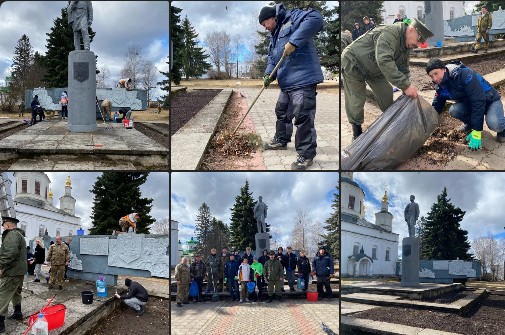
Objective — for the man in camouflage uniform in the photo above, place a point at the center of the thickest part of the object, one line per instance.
(182, 277)
(58, 257)
(379, 58)
(273, 273)
(225, 257)
(484, 23)
(213, 264)
(197, 271)
(13, 266)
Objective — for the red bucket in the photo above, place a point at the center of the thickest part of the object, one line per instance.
(312, 296)
(55, 316)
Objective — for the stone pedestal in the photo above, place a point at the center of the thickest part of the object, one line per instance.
(81, 91)
(262, 243)
(435, 22)
(410, 262)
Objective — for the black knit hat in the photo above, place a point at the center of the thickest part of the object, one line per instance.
(266, 13)
(433, 64)
(127, 282)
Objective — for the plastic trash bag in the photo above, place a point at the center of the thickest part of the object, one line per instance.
(300, 283)
(394, 137)
(193, 289)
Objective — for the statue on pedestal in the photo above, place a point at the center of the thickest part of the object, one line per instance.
(411, 215)
(80, 16)
(260, 213)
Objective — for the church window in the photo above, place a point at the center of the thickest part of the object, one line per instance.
(401, 11)
(24, 186)
(70, 233)
(387, 255)
(351, 202)
(420, 13)
(58, 232)
(23, 227)
(374, 252)
(355, 249)
(451, 13)
(42, 230)
(45, 193)
(37, 187)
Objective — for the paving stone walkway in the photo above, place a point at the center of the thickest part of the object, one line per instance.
(291, 317)
(327, 128)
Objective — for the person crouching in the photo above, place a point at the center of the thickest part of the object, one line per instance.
(136, 297)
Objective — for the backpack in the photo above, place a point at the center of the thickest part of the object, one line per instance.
(193, 289)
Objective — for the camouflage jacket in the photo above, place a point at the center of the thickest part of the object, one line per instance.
(273, 270)
(484, 22)
(58, 254)
(182, 273)
(13, 253)
(197, 269)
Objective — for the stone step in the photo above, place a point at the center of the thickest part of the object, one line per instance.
(349, 324)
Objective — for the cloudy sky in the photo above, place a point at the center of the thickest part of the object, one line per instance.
(155, 187)
(237, 18)
(480, 194)
(283, 192)
(117, 24)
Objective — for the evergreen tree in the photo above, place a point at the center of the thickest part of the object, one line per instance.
(165, 86)
(243, 224)
(332, 228)
(442, 237)
(117, 194)
(203, 229)
(176, 38)
(354, 11)
(193, 57)
(60, 43)
(21, 66)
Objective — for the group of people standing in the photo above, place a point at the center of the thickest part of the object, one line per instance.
(37, 109)
(248, 276)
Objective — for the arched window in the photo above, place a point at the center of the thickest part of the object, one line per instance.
(355, 249)
(24, 186)
(70, 233)
(351, 202)
(374, 252)
(42, 230)
(420, 13)
(451, 13)
(401, 11)
(388, 254)
(58, 232)
(37, 187)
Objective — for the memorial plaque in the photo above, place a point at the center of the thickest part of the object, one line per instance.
(98, 246)
(81, 71)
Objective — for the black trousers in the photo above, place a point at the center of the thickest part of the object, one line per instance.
(323, 281)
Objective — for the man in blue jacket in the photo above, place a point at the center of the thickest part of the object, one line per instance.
(323, 268)
(231, 276)
(474, 96)
(292, 35)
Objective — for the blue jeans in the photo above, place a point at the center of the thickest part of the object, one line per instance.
(494, 115)
(291, 277)
(233, 285)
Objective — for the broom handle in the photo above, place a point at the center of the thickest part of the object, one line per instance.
(254, 101)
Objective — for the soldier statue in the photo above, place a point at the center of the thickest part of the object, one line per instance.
(411, 215)
(260, 213)
(80, 16)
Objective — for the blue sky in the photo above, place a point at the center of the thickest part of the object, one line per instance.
(480, 194)
(117, 24)
(283, 192)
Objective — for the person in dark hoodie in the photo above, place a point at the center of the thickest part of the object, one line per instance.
(136, 297)
(13, 267)
(292, 37)
(323, 268)
(304, 269)
(35, 105)
(231, 277)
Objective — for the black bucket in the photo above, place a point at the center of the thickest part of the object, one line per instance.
(87, 297)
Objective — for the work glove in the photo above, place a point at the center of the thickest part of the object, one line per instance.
(288, 49)
(474, 139)
(266, 80)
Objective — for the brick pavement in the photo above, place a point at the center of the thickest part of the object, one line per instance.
(291, 317)
(327, 128)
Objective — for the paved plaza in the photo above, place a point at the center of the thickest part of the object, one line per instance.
(290, 317)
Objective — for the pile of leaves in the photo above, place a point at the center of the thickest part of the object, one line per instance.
(238, 144)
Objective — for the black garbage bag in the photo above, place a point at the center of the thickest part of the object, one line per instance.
(394, 137)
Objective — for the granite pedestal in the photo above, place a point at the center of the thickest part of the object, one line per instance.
(410, 262)
(262, 243)
(81, 91)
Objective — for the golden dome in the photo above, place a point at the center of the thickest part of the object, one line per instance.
(68, 182)
(50, 193)
(385, 196)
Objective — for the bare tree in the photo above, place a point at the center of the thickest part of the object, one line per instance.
(161, 227)
(103, 77)
(218, 43)
(490, 255)
(134, 62)
(300, 233)
(149, 72)
(314, 237)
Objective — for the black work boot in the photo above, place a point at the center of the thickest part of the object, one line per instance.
(17, 315)
(2, 324)
(500, 137)
(356, 131)
(275, 144)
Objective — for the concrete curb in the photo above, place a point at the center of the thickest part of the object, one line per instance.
(377, 327)
(190, 142)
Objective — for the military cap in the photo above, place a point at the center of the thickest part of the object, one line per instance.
(272, 253)
(421, 29)
(9, 219)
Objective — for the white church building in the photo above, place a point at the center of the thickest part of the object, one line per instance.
(416, 9)
(35, 209)
(367, 249)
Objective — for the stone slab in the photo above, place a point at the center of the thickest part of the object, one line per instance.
(379, 327)
(94, 246)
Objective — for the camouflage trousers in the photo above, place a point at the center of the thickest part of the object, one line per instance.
(10, 289)
(278, 285)
(57, 274)
(300, 104)
(481, 35)
(182, 292)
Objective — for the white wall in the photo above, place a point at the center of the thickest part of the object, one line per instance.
(391, 8)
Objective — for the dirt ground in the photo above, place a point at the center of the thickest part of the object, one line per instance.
(185, 105)
(154, 135)
(486, 317)
(124, 320)
(239, 151)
